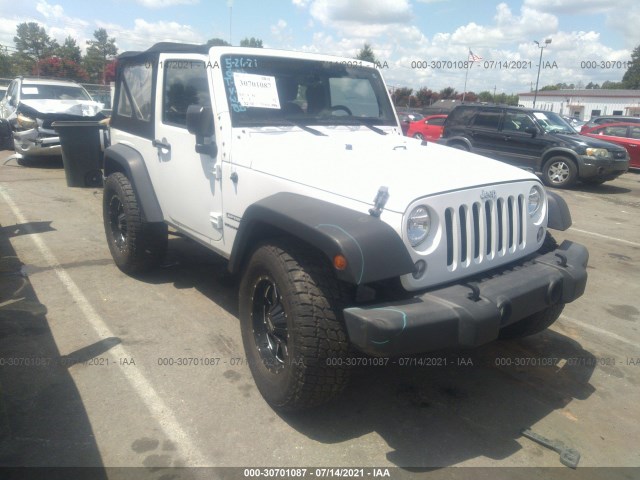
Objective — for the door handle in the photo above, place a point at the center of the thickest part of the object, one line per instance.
(161, 144)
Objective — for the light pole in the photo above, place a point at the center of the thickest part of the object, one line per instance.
(541, 47)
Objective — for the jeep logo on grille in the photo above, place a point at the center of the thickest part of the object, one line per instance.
(486, 194)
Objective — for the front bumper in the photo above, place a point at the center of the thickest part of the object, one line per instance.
(36, 143)
(471, 314)
(605, 169)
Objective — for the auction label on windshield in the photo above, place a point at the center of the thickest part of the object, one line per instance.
(256, 90)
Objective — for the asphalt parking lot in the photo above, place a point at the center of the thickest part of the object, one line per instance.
(100, 383)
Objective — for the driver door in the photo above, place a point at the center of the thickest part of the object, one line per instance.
(189, 179)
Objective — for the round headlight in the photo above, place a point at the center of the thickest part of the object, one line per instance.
(418, 225)
(535, 200)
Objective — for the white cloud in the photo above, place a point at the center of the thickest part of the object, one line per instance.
(165, 3)
(361, 11)
(49, 11)
(144, 34)
(278, 27)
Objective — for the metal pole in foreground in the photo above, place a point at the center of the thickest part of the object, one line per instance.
(541, 47)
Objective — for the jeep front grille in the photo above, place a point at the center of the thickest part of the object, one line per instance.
(484, 230)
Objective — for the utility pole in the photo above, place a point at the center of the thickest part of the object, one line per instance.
(541, 47)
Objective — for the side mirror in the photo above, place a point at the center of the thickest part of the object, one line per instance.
(200, 124)
(533, 131)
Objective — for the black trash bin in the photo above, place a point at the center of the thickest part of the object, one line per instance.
(82, 144)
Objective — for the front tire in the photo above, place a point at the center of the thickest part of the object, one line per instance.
(559, 172)
(419, 136)
(292, 329)
(135, 244)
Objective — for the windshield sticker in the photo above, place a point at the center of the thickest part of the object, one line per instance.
(30, 90)
(540, 115)
(256, 90)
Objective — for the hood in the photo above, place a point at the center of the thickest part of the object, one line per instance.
(586, 141)
(81, 108)
(356, 162)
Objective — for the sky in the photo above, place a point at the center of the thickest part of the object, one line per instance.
(419, 43)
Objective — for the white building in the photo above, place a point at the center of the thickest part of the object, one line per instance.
(584, 104)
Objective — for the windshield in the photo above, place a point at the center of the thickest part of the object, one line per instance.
(553, 123)
(53, 92)
(281, 91)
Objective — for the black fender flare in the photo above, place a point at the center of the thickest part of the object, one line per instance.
(125, 159)
(374, 251)
(559, 214)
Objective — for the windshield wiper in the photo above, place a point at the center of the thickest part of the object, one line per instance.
(306, 128)
(281, 122)
(362, 123)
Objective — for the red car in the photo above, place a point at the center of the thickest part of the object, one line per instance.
(626, 135)
(427, 128)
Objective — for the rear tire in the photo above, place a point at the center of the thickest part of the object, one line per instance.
(559, 172)
(135, 244)
(460, 146)
(293, 333)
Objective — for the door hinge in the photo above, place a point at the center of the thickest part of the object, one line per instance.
(216, 220)
(217, 171)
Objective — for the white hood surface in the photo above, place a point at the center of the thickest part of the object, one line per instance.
(81, 108)
(356, 162)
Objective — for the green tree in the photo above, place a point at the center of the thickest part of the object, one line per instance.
(6, 64)
(99, 52)
(485, 96)
(426, 96)
(592, 86)
(631, 78)
(608, 85)
(448, 92)
(402, 97)
(366, 54)
(70, 50)
(32, 45)
(251, 42)
(217, 42)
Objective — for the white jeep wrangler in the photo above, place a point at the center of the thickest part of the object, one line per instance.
(346, 235)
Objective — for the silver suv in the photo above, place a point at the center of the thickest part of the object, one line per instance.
(31, 105)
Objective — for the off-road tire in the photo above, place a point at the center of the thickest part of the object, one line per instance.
(314, 369)
(559, 172)
(539, 321)
(136, 245)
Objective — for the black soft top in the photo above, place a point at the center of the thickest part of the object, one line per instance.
(164, 47)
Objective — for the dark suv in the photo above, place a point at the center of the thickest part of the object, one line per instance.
(536, 140)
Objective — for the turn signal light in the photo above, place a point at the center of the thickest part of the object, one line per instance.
(340, 262)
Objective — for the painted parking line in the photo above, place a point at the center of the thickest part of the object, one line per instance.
(606, 237)
(167, 420)
(600, 331)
